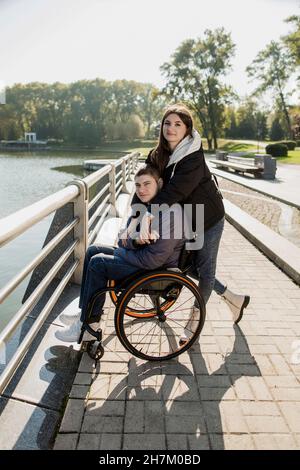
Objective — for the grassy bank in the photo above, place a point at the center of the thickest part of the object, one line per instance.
(111, 147)
(293, 157)
(236, 146)
(144, 146)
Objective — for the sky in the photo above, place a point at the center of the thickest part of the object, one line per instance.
(69, 40)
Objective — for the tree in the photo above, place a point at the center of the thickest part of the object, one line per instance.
(85, 112)
(150, 105)
(276, 132)
(231, 130)
(261, 125)
(292, 40)
(246, 122)
(194, 75)
(296, 126)
(124, 96)
(295, 118)
(272, 68)
(133, 128)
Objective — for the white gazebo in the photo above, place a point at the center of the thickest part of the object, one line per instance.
(30, 136)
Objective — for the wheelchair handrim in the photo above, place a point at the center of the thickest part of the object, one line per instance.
(137, 313)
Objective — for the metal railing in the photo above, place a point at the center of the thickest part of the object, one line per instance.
(93, 198)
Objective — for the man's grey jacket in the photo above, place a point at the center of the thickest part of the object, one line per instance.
(166, 250)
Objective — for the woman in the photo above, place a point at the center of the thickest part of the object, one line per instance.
(187, 179)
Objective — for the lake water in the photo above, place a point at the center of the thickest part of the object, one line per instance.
(24, 179)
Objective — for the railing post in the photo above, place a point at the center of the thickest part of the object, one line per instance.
(133, 162)
(136, 160)
(124, 187)
(81, 229)
(112, 180)
(129, 163)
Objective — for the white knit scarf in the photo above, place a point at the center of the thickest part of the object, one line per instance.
(188, 145)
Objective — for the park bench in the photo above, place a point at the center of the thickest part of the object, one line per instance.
(259, 165)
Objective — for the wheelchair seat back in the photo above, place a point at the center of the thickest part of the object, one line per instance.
(185, 260)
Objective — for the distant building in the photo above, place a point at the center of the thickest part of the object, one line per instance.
(29, 142)
(30, 136)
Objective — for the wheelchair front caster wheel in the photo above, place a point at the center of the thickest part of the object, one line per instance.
(95, 350)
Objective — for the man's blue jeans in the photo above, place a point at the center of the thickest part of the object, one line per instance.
(100, 265)
(205, 262)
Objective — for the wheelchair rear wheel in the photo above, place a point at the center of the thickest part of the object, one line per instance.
(160, 336)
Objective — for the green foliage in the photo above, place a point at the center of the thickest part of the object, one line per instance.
(291, 144)
(277, 150)
(132, 129)
(276, 131)
(83, 112)
(272, 68)
(195, 76)
(261, 125)
(247, 122)
(231, 129)
(296, 122)
(292, 40)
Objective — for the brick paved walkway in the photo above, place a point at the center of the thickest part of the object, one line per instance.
(237, 389)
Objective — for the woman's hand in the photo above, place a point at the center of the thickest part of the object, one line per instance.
(145, 228)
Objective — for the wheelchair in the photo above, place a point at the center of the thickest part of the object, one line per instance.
(154, 317)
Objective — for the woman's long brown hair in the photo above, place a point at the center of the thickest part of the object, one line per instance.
(159, 156)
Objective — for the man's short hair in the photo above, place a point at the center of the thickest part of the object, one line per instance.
(148, 170)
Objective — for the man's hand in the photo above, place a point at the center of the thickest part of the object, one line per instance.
(123, 236)
(124, 241)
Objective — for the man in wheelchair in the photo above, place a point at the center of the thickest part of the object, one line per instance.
(132, 255)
